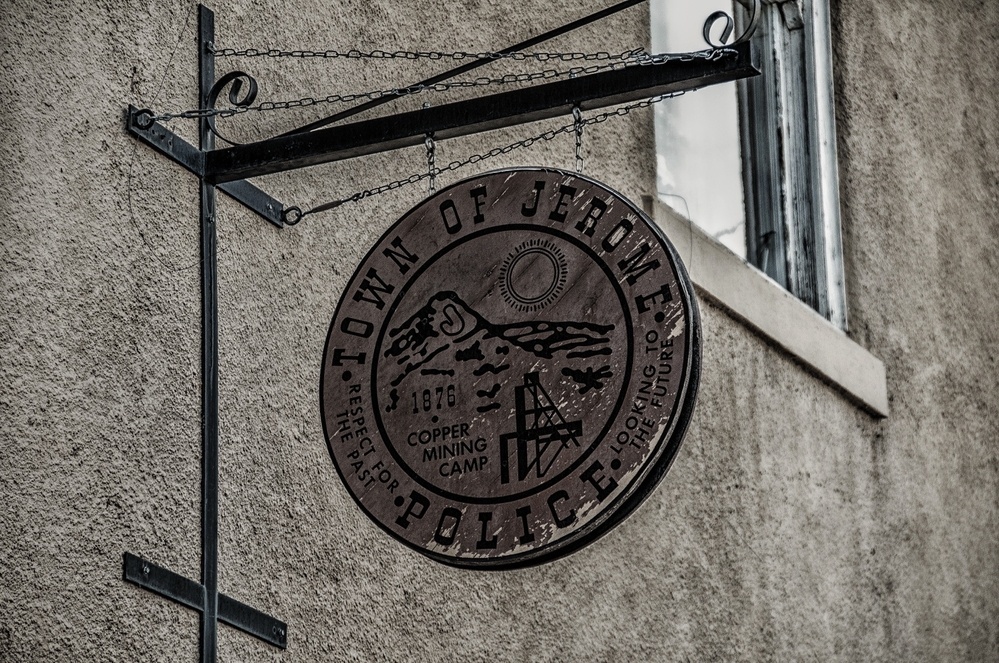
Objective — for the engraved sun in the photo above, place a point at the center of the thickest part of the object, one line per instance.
(533, 275)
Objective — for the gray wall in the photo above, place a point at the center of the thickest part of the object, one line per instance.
(793, 526)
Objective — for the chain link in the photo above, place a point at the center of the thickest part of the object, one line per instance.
(577, 126)
(634, 58)
(431, 163)
(379, 54)
(296, 215)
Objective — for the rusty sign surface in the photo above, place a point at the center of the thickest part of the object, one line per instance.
(511, 369)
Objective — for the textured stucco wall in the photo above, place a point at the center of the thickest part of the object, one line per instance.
(918, 122)
(792, 527)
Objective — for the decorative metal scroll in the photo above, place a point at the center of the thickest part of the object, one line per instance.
(752, 7)
(234, 80)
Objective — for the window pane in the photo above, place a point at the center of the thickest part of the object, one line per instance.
(698, 161)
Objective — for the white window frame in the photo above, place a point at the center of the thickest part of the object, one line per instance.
(749, 296)
(812, 332)
(788, 133)
(786, 129)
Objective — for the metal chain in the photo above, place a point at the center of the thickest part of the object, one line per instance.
(637, 58)
(431, 163)
(378, 54)
(577, 126)
(292, 215)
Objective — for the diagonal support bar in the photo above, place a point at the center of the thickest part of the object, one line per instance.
(255, 199)
(190, 594)
(475, 115)
(469, 66)
(192, 159)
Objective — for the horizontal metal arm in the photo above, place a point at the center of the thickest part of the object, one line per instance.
(475, 115)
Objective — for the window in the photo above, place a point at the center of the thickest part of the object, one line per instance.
(753, 163)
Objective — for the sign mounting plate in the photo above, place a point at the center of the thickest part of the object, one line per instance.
(511, 369)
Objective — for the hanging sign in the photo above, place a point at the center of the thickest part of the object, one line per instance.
(511, 369)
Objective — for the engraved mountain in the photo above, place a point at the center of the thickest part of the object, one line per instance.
(447, 322)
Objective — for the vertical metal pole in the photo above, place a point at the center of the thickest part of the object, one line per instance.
(209, 357)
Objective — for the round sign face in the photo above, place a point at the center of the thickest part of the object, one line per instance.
(511, 369)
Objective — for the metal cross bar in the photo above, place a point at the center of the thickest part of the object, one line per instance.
(188, 593)
(475, 115)
(469, 66)
(191, 158)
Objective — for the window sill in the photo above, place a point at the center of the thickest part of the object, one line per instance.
(750, 296)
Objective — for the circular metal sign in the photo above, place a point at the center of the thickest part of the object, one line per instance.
(511, 369)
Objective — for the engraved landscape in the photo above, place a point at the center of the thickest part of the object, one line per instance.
(507, 365)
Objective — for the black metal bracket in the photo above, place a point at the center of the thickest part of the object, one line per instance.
(487, 113)
(186, 592)
(313, 144)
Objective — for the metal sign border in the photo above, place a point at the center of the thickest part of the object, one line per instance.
(624, 505)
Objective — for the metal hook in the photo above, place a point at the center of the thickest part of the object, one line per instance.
(143, 118)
